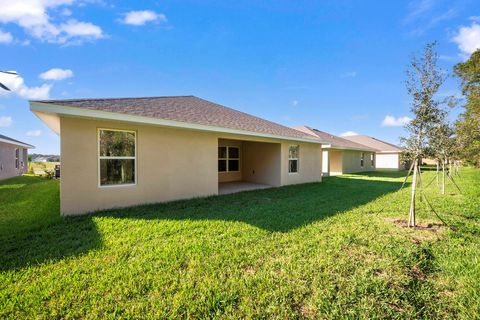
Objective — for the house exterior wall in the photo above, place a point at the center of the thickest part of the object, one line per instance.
(7, 161)
(262, 163)
(388, 161)
(429, 162)
(351, 161)
(310, 163)
(336, 162)
(171, 164)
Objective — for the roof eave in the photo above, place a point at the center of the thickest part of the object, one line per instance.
(352, 148)
(390, 151)
(17, 143)
(36, 106)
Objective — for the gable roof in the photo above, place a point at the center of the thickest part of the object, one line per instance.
(14, 142)
(174, 110)
(334, 141)
(379, 145)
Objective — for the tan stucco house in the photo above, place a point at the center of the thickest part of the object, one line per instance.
(387, 155)
(13, 157)
(130, 151)
(341, 156)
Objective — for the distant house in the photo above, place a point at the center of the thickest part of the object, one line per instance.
(13, 157)
(44, 158)
(429, 162)
(387, 155)
(340, 156)
(131, 151)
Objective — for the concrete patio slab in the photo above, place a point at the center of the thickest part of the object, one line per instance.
(239, 186)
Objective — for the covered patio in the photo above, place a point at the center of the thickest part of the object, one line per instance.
(247, 165)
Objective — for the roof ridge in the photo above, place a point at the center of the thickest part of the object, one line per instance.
(341, 139)
(112, 98)
(379, 141)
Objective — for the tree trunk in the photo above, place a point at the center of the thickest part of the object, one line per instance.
(437, 171)
(443, 177)
(411, 217)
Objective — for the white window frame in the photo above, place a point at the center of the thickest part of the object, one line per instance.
(297, 158)
(372, 159)
(362, 159)
(17, 158)
(120, 158)
(228, 158)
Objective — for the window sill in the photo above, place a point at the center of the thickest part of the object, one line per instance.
(117, 186)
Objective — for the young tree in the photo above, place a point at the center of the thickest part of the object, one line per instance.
(468, 125)
(424, 78)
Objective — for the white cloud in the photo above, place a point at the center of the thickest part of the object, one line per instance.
(468, 39)
(295, 103)
(5, 37)
(424, 15)
(56, 74)
(390, 121)
(34, 18)
(17, 86)
(34, 133)
(139, 18)
(418, 9)
(348, 133)
(5, 121)
(75, 28)
(350, 74)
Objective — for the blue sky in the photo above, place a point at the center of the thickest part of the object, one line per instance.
(334, 65)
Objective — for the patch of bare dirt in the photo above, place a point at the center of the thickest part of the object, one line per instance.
(433, 227)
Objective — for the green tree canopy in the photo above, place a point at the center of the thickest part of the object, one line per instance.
(468, 124)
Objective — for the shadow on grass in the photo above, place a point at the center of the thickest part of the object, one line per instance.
(275, 210)
(31, 229)
(384, 174)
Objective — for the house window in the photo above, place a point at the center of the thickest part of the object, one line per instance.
(116, 157)
(372, 159)
(228, 159)
(17, 158)
(293, 155)
(362, 159)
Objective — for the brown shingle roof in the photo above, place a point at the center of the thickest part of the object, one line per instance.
(334, 141)
(378, 145)
(188, 109)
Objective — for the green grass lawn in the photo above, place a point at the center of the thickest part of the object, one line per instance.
(323, 250)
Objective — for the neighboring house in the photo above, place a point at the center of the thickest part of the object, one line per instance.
(429, 162)
(44, 158)
(13, 157)
(39, 159)
(340, 156)
(131, 151)
(387, 155)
